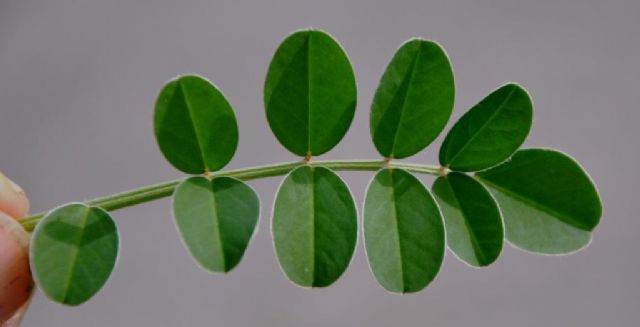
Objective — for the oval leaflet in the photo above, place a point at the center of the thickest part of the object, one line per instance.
(472, 219)
(314, 226)
(489, 132)
(403, 232)
(413, 101)
(73, 251)
(195, 126)
(549, 204)
(216, 219)
(310, 93)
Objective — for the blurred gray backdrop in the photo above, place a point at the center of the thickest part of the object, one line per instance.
(78, 79)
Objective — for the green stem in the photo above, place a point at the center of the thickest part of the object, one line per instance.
(153, 192)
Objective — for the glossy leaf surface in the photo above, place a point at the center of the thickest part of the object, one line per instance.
(195, 126)
(73, 251)
(314, 226)
(472, 219)
(549, 204)
(413, 101)
(403, 232)
(490, 132)
(310, 93)
(216, 219)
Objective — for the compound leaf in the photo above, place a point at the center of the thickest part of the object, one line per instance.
(195, 126)
(490, 132)
(216, 219)
(413, 101)
(73, 251)
(403, 232)
(310, 93)
(472, 219)
(314, 226)
(549, 204)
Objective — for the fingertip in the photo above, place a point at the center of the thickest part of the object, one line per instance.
(16, 283)
(16, 320)
(13, 199)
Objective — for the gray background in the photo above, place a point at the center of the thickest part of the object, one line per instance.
(78, 79)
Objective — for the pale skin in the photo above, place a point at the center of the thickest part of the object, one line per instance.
(16, 283)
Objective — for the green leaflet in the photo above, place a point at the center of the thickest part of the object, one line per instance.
(403, 232)
(73, 251)
(195, 126)
(413, 101)
(310, 93)
(490, 132)
(314, 226)
(472, 219)
(216, 219)
(549, 204)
